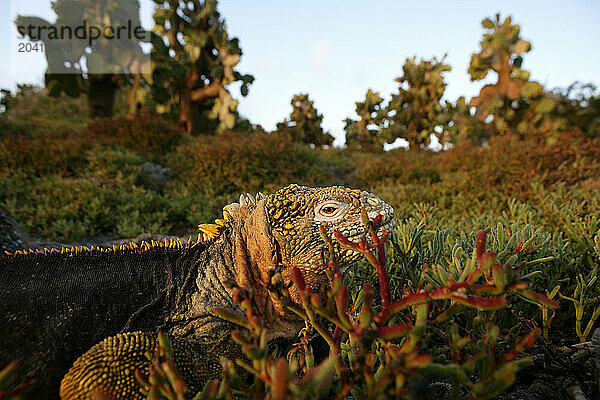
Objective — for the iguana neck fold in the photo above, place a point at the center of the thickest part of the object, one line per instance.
(242, 255)
(258, 256)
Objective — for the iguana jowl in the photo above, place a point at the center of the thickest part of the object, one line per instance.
(109, 303)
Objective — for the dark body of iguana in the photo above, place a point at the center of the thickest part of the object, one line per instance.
(107, 304)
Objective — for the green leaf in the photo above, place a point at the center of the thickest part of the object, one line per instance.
(545, 106)
(444, 371)
(521, 46)
(487, 23)
(522, 127)
(541, 299)
(532, 89)
(522, 74)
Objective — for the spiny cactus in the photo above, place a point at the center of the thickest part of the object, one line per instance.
(579, 106)
(416, 111)
(195, 61)
(514, 104)
(65, 74)
(304, 122)
(365, 133)
(459, 124)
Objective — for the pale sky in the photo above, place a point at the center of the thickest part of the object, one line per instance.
(336, 50)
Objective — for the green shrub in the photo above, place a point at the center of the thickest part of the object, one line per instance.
(66, 186)
(146, 134)
(234, 163)
(53, 152)
(63, 152)
(212, 171)
(101, 198)
(31, 112)
(552, 187)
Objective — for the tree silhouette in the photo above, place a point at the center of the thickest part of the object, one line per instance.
(109, 64)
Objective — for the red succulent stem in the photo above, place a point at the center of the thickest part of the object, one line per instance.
(384, 282)
(337, 335)
(298, 279)
(453, 291)
(377, 262)
(345, 242)
(384, 286)
(480, 243)
(392, 332)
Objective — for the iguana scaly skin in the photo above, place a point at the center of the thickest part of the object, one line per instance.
(108, 304)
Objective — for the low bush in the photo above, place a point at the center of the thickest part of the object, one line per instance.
(102, 198)
(551, 187)
(32, 112)
(211, 171)
(146, 134)
(69, 185)
(61, 152)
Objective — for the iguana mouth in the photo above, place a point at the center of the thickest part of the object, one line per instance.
(387, 226)
(352, 256)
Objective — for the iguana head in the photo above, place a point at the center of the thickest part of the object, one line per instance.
(296, 213)
(282, 229)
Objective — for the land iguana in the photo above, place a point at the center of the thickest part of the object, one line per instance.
(108, 303)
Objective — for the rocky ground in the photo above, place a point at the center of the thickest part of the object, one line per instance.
(560, 372)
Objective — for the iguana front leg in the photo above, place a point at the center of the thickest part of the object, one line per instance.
(108, 368)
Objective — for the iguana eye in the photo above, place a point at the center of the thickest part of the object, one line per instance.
(329, 211)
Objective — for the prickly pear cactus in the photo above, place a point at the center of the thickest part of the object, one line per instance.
(416, 110)
(109, 63)
(304, 123)
(366, 132)
(514, 104)
(195, 61)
